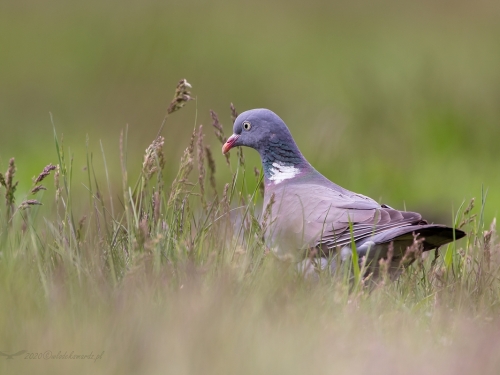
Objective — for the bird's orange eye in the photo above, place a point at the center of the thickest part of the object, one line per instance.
(246, 125)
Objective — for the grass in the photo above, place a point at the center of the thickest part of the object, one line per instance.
(176, 279)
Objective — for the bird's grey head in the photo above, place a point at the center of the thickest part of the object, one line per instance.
(264, 131)
(258, 129)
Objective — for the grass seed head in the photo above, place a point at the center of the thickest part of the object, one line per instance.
(234, 114)
(219, 132)
(487, 235)
(241, 157)
(81, 224)
(413, 252)
(154, 159)
(225, 194)
(156, 206)
(30, 202)
(46, 171)
(10, 186)
(185, 168)
(470, 206)
(385, 264)
(57, 173)
(190, 148)
(37, 188)
(181, 97)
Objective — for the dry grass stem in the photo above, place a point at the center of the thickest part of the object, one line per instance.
(211, 168)
(200, 153)
(123, 163)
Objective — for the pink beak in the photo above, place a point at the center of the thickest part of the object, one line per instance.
(229, 143)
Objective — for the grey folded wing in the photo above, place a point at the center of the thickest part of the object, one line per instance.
(322, 215)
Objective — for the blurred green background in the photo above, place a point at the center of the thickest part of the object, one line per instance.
(395, 100)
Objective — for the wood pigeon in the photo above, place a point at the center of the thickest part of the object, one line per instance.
(312, 215)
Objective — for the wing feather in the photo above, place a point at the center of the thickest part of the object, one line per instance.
(323, 215)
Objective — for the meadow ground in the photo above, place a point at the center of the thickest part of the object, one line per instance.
(172, 277)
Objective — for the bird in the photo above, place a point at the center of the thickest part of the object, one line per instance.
(309, 214)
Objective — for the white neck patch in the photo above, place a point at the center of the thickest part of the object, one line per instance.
(281, 172)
